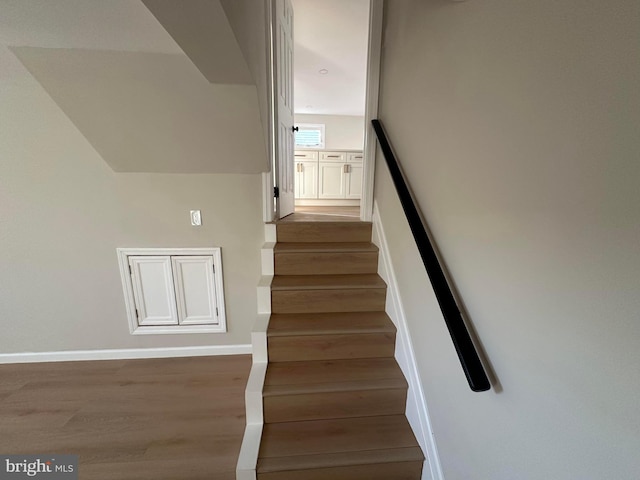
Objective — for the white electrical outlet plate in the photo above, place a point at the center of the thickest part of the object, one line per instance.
(196, 218)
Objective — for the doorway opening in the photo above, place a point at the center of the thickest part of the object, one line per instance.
(330, 69)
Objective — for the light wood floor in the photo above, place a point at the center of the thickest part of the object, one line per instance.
(160, 419)
(323, 213)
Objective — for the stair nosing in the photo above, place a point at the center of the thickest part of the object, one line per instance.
(355, 281)
(335, 387)
(334, 331)
(325, 247)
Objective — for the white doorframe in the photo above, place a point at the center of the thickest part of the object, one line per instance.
(376, 12)
(268, 178)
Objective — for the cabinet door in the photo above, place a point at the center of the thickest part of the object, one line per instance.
(354, 180)
(331, 180)
(152, 282)
(298, 180)
(195, 289)
(307, 176)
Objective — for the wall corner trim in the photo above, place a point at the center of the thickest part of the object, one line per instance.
(417, 411)
(124, 354)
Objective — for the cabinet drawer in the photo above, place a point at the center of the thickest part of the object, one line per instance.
(355, 157)
(306, 155)
(333, 157)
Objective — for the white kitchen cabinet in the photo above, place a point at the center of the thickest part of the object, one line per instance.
(173, 290)
(353, 181)
(331, 180)
(333, 157)
(307, 179)
(355, 157)
(328, 175)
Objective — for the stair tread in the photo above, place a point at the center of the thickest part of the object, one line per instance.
(333, 247)
(327, 460)
(332, 376)
(343, 370)
(327, 437)
(288, 324)
(326, 282)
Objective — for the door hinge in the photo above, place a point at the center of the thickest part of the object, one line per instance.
(276, 192)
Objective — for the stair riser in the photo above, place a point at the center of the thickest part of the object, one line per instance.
(330, 347)
(321, 301)
(325, 263)
(324, 232)
(324, 405)
(377, 471)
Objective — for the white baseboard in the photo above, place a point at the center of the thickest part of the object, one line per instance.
(327, 203)
(417, 411)
(248, 457)
(124, 353)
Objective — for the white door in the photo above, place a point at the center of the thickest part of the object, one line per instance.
(283, 53)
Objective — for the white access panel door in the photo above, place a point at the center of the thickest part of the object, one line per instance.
(152, 282)
(331, 180)
(195, 289)
(283, 55)
(307, 179)
(354, 181)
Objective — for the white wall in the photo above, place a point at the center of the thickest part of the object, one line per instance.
(517, 125)
(63, 213)
(248, 21)
(342, 132)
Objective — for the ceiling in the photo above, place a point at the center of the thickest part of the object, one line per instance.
(330, 35)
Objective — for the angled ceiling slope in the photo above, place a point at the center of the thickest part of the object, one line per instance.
(152, 112)
(203, 32)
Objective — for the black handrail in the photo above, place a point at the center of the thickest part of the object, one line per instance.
(467, 353)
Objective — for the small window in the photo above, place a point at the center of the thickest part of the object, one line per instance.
(310, 136)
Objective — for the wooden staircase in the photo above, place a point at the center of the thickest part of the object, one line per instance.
(334, 397)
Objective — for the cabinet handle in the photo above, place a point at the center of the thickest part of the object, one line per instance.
(333, 156)
(345, 168)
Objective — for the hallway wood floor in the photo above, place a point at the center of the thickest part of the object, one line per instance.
(161, 419)
(323, 214)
